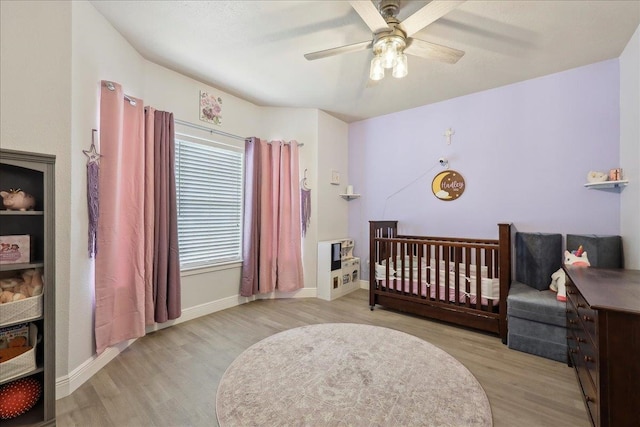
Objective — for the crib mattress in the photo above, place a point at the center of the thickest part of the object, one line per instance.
(429, 291)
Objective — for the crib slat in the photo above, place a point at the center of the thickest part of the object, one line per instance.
(478, 279)
(446, 274)
(489, 263)
(420, 278)
(467, 283)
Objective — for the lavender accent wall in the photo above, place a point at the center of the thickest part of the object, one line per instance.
(524, 151)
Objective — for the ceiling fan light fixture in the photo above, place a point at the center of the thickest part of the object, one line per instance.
(400, 68)
(390, 53)
(376, 71)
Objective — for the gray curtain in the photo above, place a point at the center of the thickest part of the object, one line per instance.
(250, 247)
(166, 258)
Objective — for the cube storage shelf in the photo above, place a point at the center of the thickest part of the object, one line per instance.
(34, 174)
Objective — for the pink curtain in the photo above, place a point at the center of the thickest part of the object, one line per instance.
(119, 283)
(290, 273)
(138, 268)
(272, 253)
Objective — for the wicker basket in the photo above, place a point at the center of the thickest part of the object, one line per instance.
(21, 311)
(24, 363)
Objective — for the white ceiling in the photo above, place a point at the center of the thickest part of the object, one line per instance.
(254, 49)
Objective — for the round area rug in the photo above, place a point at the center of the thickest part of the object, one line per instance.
(344, 374)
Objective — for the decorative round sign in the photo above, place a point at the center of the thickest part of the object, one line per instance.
(448, 185)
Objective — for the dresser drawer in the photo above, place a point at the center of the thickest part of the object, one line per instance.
(587, 316)
(587, 356)
(588, 392)
(582, 352)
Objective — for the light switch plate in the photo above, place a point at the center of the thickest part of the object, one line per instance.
(335, 177)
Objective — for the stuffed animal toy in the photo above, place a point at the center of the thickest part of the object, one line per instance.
(16, 289)
(559, 279)
(594, 176)
(18, 397)
(33, 281)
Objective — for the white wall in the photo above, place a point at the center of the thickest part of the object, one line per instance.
(630, 150)
(98, 53)
(332, 156)
(35, 116)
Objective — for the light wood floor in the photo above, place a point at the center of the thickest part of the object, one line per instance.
(170, 377)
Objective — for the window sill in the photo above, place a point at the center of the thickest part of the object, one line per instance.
(192, 271)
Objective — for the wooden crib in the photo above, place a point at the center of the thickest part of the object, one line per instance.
(458, 280)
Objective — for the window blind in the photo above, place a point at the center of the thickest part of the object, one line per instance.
(209, 203)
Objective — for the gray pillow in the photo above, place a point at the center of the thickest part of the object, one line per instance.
(538, 256)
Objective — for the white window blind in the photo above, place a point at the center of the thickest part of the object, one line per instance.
(209, 203)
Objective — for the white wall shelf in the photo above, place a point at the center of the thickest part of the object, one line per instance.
(349, 196)
(607, 184)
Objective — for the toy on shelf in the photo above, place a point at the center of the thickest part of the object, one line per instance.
(14, 341)
(18, 288)
(17, 200)
(594, 176)
(18, 397)
(559, 278)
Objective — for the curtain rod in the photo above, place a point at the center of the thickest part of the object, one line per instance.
(208, 129)
(216, 131)
(111, 87)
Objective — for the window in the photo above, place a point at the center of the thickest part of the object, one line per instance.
(209, 201)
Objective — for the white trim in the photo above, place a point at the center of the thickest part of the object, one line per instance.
(192, 271)
(301, 293)
(364, 284)
(67, 384)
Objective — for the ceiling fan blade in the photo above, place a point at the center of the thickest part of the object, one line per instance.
(338, 50)
(428, 14)
(430, 50)
(370, 15)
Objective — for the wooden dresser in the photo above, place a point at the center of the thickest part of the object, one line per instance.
(603, 337)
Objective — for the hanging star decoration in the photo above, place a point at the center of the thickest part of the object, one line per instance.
(93, 166)
(92, 155)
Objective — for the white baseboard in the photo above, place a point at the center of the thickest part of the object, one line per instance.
(301, 293)
(364, 284)
(67, 384)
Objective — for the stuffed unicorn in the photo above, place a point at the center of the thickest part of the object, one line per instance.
(558, 279)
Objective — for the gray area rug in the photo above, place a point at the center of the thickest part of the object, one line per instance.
(344, 374)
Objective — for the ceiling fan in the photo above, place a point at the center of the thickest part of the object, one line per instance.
(392, 38)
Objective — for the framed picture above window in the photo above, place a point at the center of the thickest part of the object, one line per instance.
(210, 108)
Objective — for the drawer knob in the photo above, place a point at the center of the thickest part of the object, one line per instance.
(588, 359)
(572, 321)
(580, 305)
(589, 398)
(572, 292)
(587, 318)
(581, 339)
(573, 351)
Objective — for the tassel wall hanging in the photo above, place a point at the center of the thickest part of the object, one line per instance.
(93, 158)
